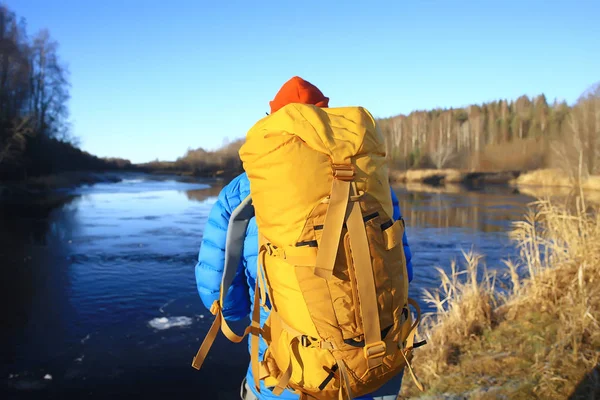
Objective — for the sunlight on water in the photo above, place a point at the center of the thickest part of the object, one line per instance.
(163, 323)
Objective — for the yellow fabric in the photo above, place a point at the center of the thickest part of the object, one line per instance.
(367, 299)
(288, 158)
(393, 235)
(334, 219)
(334, 281)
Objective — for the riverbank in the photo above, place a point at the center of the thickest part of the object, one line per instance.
(64, 181)
(452, 176)
(546, 178)
(538, 336)
(220, 174)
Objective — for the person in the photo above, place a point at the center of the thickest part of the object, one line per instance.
(238, 300)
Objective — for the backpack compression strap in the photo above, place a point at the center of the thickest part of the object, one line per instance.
(344, 195)
(375, 348)
(236, 233)
(343, 174)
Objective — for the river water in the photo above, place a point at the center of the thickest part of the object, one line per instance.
(99, 289)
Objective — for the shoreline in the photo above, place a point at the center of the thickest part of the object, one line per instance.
(47, 185)
(547, 178)
(59, 186)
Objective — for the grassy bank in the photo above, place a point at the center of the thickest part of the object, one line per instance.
(536, 337)
(557, 178)
(545, 178)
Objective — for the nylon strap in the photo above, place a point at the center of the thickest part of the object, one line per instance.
(236, 232)
(255, 335)
(410, 342)
(374, 349)
(299, 256)
(262, 281)
(285, 377)
(208, 341)
(345, 382)
(412, 373)
(410, 339)
(322, 344)
(332, 228)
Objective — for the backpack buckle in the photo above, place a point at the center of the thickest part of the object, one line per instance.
(304, 341)
(343, 172)
(215, 307)
(375, 350)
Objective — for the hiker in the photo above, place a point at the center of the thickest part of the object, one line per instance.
(238, 302)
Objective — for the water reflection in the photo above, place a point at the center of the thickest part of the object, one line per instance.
(455, 207)
(35, 281)
(202, 195)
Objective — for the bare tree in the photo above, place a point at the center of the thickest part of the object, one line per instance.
(577, 151)
(442, 156)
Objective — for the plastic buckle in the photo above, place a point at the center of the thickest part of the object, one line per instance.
(269, 249)
(343, 172)
(375, 350)
(304, 341)
(215, 307)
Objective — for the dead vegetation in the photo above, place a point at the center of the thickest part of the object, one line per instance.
(224, 161)
(557, 178)
(533, 332)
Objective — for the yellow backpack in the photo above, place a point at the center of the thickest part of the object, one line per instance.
(331, 259)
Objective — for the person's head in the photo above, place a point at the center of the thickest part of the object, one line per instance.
(297, 90)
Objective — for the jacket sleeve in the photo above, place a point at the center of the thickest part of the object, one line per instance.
(407, 252)
(211, 260)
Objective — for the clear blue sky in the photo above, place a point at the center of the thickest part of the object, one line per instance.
(152, 78)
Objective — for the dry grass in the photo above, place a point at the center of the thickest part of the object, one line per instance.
(537, 337)
(516, 155)
(545, 177)
(223, 162)
(555, 177)
(425, 175)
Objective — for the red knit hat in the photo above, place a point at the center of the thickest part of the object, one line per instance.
(297, 90)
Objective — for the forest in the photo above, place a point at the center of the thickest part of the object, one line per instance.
(524, 134)
(35, 135)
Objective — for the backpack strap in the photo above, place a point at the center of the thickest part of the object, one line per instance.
(375, 348)
(344, 382)
(342, 192)
(236, 233)
(234, 245)
(343, 174)
(410, 344)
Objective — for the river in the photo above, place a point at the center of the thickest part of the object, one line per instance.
(99, 289)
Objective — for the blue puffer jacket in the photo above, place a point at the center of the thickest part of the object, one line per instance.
(238, 302)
